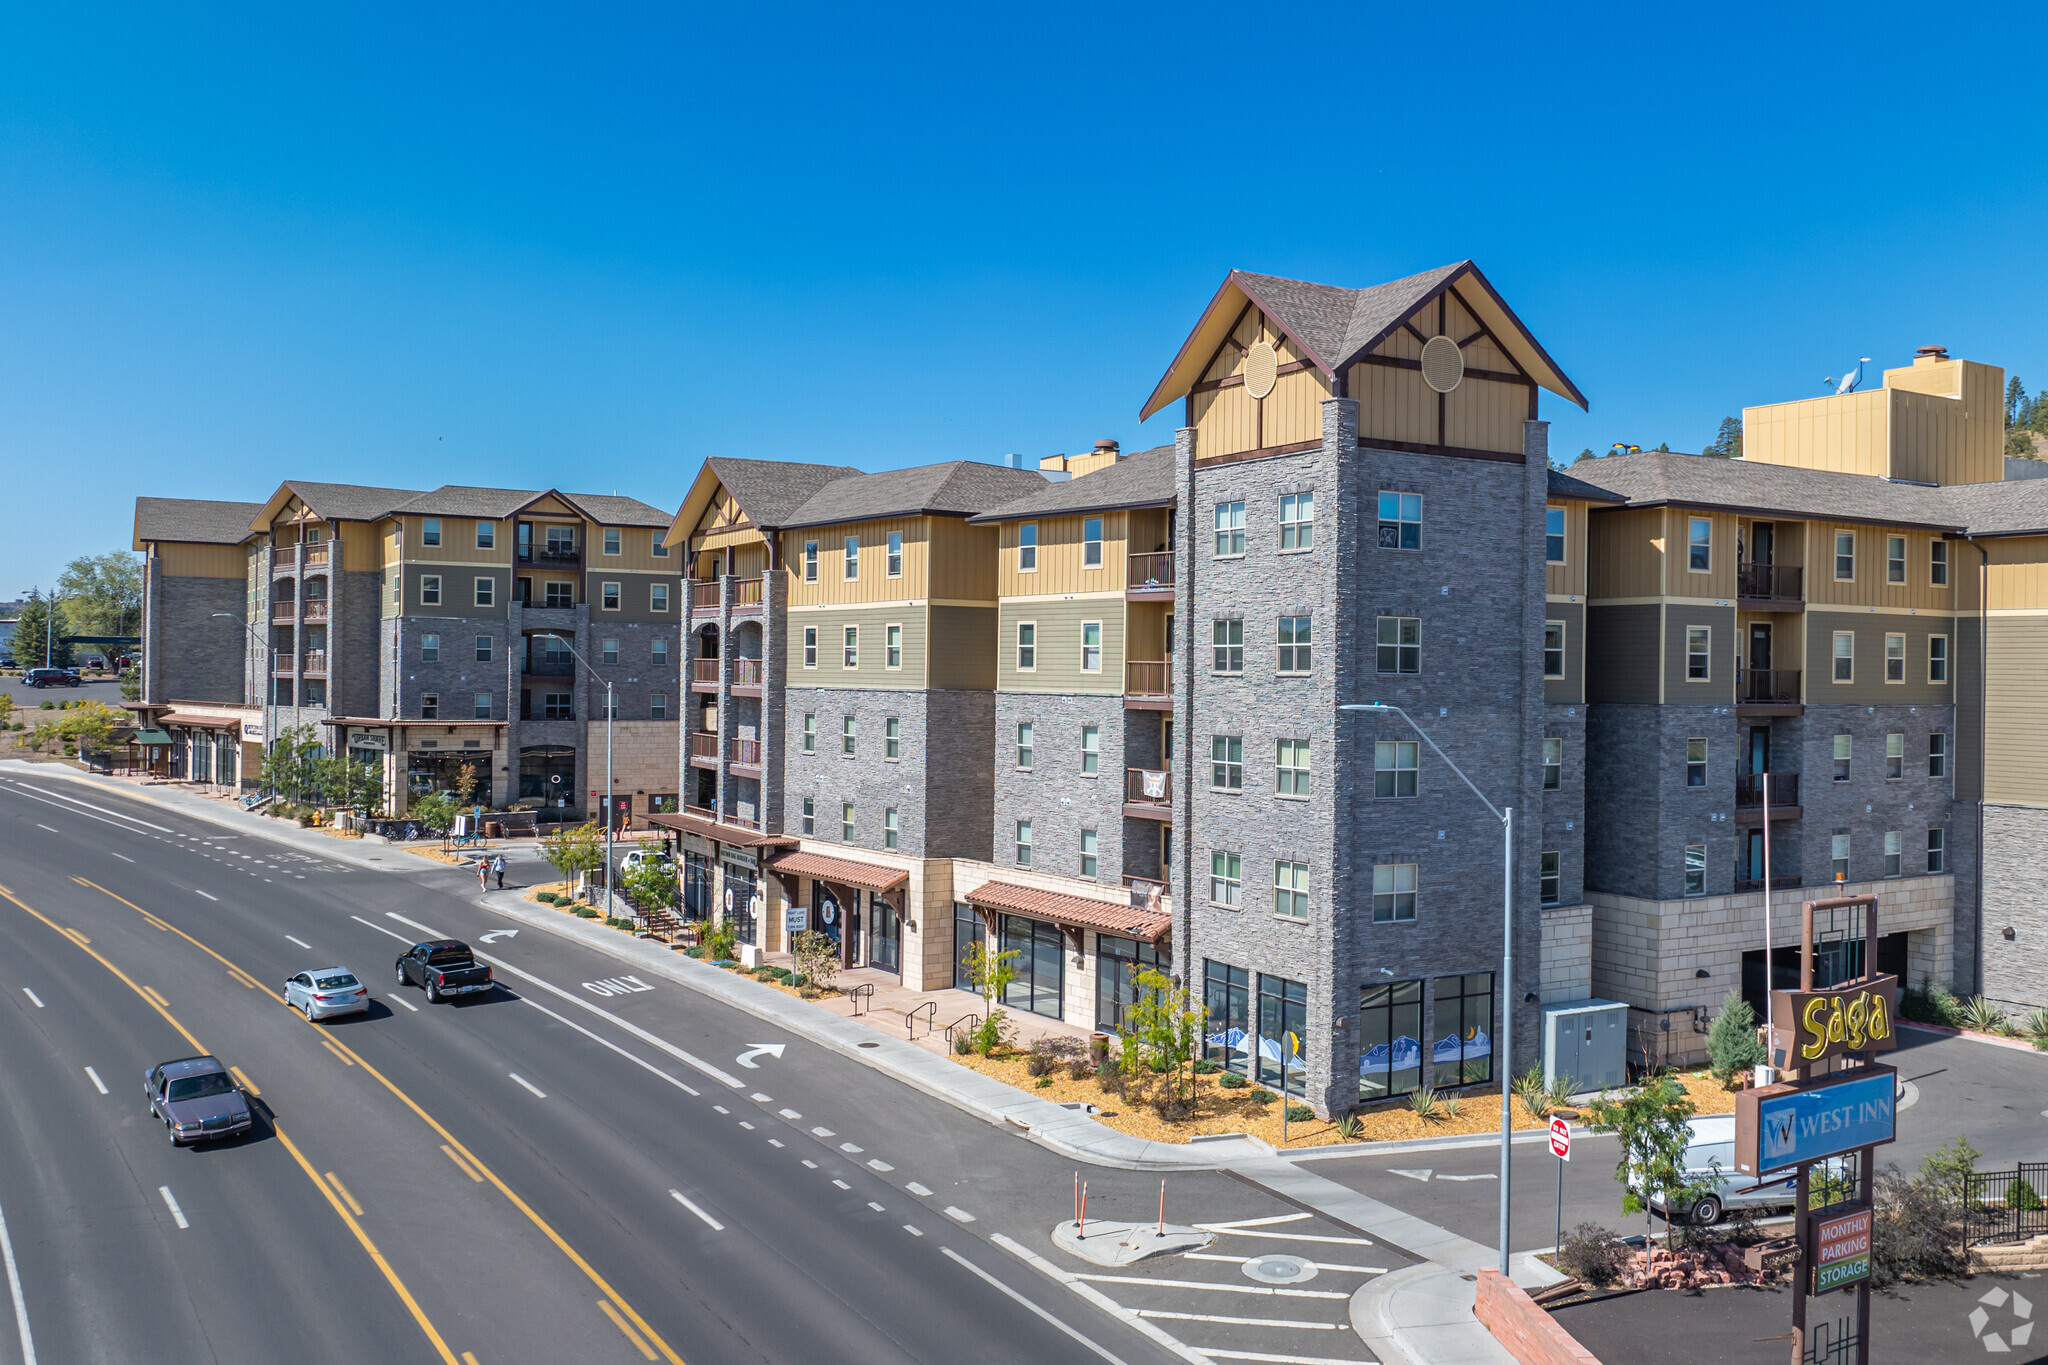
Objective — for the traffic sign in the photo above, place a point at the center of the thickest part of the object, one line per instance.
(1561, 1139)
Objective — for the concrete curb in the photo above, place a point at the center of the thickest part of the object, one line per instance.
(1969, 1036)
(1422, 1315)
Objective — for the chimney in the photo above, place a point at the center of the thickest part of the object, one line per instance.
(1930, 355)
(1108, 448)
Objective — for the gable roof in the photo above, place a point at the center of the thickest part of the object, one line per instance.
(466, 500)
(334, 501)
(767, 491)
(193, 521)
(1143, 479)
(1661, 478)
(1563, 485)
(2017, 507)
(957, 488)
(1334, 326)
(610, 509)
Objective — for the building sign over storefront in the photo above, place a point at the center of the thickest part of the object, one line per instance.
(1778, 1126)
(1810, 1026)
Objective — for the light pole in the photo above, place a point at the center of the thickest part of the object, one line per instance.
(269, 694)
(610, 710)
(1503, 1048)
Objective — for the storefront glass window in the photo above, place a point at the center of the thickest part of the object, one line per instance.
(1389, 1040)
(1283, 1033)
(1117, 964)
(1463, 1052)
(1226, 994)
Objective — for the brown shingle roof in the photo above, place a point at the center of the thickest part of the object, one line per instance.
(194, 522)
(1114, 916)
(466, 500)
(349, 501)
(1144, 479)
(845, 871)
(1563, 485)
(608, 509)
(956, 488)
(1658, 478)
(768, 491)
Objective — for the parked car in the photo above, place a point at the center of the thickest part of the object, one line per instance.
(327, 992)
(51, 677)
(1710, 1161)
(446, 967)
(639, 856)
(197, 1100)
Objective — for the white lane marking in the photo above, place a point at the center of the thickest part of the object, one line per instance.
(684, 1200)
(882, 1166)
(842, 1184)
(876, 1207)
(495, 935)
(852, 1147)
(28, 1341)
(1089, 1342)
(103, 810)
(1266, 1291)
(1421, 1173)
(208, 894)
(958, 1214)
(773, 1143)
(759, 1098)
(52, 828)
(914, 1232)
(537, 1092)
(171, 1203)
(1260, 1222)
(754, 1050)
(823, 1132)
(122, 856)
(399, 999)
(920, 1191)
(748, 1126)
(642, 1034)
(301, 942)
(720, 1109)
(637, 1061)
(1319, 1265)
(812, 1164)
(32, 996)
(789, 1114)
(1275, 1359)
(1240, 1322)
(1286, 1236)
(98, 1084)
(1468, 1177)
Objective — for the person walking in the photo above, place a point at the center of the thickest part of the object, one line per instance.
(483, 874)
(498, 866)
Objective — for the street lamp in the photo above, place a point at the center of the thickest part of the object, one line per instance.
(269, 696)
(1504, 1050)
(610, 711)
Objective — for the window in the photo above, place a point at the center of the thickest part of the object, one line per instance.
(430, 590)
(849, 645)
(1894, 658)
(487, 536)
(608, 651)
(657, 597)
(1089, 862)
(1937, 755)
(846, 735)
(1553, 764)
(1023, 843)
(1695, 869)
(1553, 649)
(557, 706)
(1845, 656)
(1229, 529)
(1024, 744)
(1297, 521)
(1091, 750)
(480, 706)
(430, 706)
(430, 649)
(889, 827)
(1845, 556)
(1091, 542)
(810, 815)
(657, 653)
(1393, 769)
(1697, 641)
(611, 540)
(810, 646)
(1699, 544)
(1389, 1040)
(561, 594)
(1937, 658)
(1294, 644)
(1841, 758)
(1550, 879)
(397, 588)
(892, 739)
(1027, 646)
(846, 821)
(1290, 890)
(1027, 547)
(1894, 757)
(1937, 841)
(1226, 879)
(1393, 892)
(486, 591)
(1226, 762)
(1553, 535)
(1937, 563)
(1696, 763)
(656, 545)
(894, 568)
(1840, 858)
(609, 707)
(1400, 521)
(892, 646)
(1463, 1052)
(1894, 840)
(610, 597)
(1293, 766)
(1400, 644)
(1091, 646)
(1229, 645)
(1895, 559)
(430, 531)
(657, 706)
(810, 732)
(810, 561)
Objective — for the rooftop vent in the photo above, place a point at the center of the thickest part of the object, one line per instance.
(1930, 354)
(1105, 447)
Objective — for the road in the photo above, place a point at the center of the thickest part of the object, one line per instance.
(549, 1173)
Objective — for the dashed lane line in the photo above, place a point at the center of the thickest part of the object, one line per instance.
(1274, 1358)
(301, 942)
(535, 1090)
(920, 1191)
(997, 1284)
(97, 1083)
(34, 999)
(208, 894)
(958, 1214)
(686, 1202)
(171, 1203)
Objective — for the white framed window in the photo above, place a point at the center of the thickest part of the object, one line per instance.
(1894, 658)
(1550, 878)
(851, 570)
(657, 597)
(849, 646)
(1937, 563)
(1226, 879)
(892, 646)
(1023, 843)
(1091, 646)
(1699, 544)
(486, 591)
(611, 540)
(810, 815)
(810, 561)
(1698, 653)
(1838, 854)
(1091, 750)
(1091, 542)
(889, 827)
(487, 536)
(1895, 559)
(1297, 522)
(1294, 644)
(485, 647)
(1090, 862)
(1894, 757)
(1553, 649)
(608, 651)
(1695, 869)
(430, 531)
(1553, 764)
(810, 646)
(480, 706)
(611, 597)
(848, 734)
(1845, 556)
(846, 821)
(810, 744)
(1553, 535)
(1228, 649)
(1226, 762)
(1400, 644)
(430, 649)
(559, 594)
(1394, 768)
(1937, 658)
(1290, 889)
(894, 567)
(430, 590)
(1025, 737)
(1937, 850)
(657, 545)
(608, 706)
(1842, 747)
(1400, 521)
(1845, 656)
(1393, 891)
(1229, 530)
(892, 739)
(1027, 646)
(1894, 846)
(1027, 547)
(1292, 763)
(1937, 754)
(1696, 764)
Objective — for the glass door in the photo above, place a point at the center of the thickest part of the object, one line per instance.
(885, 934)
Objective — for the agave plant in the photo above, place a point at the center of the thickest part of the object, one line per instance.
(1530, 1091)
(1451, 1106)
(1426, 1105)
(1350, 1127)
(1558, 1094)
(1983, 1016)
(2035, 1024)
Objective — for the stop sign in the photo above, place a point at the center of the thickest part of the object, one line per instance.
(1561, 1139)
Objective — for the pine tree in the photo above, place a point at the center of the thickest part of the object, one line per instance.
(1584, 455)
(2015, 400)
(1727, 442)
(1731, 1042)
(35, 631)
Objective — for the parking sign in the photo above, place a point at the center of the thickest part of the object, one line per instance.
(1561, 1139)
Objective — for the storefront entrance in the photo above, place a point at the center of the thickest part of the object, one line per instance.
(1039, 985)
(742, 892)
(885, 934)
(548, 772)
(696, 886)
(827, 916)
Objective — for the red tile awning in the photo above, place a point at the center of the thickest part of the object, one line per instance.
(192, 722)
(1114, 917)
(845, 871)
(717, 833)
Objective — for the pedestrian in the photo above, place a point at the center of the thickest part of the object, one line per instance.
(498, 866)
(483, 874)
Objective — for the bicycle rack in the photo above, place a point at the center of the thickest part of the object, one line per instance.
(930, 1009)
(865, 991)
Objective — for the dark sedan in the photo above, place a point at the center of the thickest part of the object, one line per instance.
(51, 677)
(197, 1100)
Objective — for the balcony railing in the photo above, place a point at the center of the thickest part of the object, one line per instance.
(1147, 787)
(1148, 678)
(314, 663)
(746, 752)
(704, 595)
(1786, 883)
(284, 613)
(704, 746)
(742, 822)
(1153, 569)
(1772, 582)
(746, 594)
(704, 671)
(540, 666)
(746, 672)
(1768, 685)
(701, 812)
(556, 553)
(1749, 790)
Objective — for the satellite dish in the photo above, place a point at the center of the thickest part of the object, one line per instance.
(1848, 382)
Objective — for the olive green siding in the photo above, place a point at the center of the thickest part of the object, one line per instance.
(1058, 622)
(872, 671)
(1719, 687)
(2016, 723)
(1868, 687)
(458, 591)
(1572, 686)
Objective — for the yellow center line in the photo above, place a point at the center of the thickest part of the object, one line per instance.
(469, 1358)
(153, 994)
(462, 1165)
(623, 1326)
(455, 1145)
(369, 1247)
(342, 1190)
(247, 1084)
(244, 978)
(335, 1048)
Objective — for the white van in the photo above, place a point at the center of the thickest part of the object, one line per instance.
(1710, 1161)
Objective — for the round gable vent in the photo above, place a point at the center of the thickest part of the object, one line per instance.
(1261, 369)
(1443, 364)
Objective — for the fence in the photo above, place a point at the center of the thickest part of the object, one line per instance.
(2005, 1206)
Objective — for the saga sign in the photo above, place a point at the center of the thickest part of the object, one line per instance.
(1809, 1026)
(1777, 1126)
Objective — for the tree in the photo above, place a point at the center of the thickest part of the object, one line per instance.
(436, 811)
(1727, 442)
(817, 957)
(1663, 447)
(1165, 1030)
(1652, 1124)
(350, 784)
(573, 851)
(991, 970)
(2015, 401)
(102, 594)
(36, 630)
(651, 882)
(291, 766)
(1584, 455)
(86, 725)
(465, 784)
(1731, 1042)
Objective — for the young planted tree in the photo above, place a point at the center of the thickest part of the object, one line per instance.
(1165, 1029)
(651, 883)
(574, 852)
(817, 957)
(992, 970)
(1652, 1124)
(350, 784)
(465, 784)
(292, 766)
(85, 727)
(435, 811)
(1732, 1043)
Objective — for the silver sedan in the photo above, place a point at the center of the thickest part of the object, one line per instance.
(327, 992)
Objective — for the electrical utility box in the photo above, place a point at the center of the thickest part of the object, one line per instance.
(1586, 1040)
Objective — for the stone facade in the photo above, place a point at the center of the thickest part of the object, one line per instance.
(1055, 795)
(1567, 954)
(2016, 869)
(188, 654)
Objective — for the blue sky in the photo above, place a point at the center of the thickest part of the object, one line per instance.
(589, 247)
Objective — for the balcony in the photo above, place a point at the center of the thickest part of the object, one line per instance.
(704, 595)
(316, 609)
(554, 554)
(746, 676)
(540, 666)
(742, 822)
(284, 613)
(1743, 883)
(745, 753)
(704, 751)
(704, 675)
(1770, 587)
(1768, 692)
(1148, 685)
(313, 663)
(1150, 577)
(1749, 797)
(747, 595)
(1148, 794)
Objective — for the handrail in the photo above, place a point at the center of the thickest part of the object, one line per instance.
(1134, 787)
(746, 593)
(1151, 569)
(973, 1022)
(863, 991)
(929, 1008)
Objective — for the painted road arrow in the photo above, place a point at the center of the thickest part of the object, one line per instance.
(756, 1049)
(497, 934)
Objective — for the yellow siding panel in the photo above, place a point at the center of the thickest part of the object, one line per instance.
(1481, 414)
(1846, 433)
(182, 560)
(1569, 578)
(874, 583)
(1872, 587)
(1625, 554)
(1393, 405)
(963, 567)
(362, 545)
(1061, 550)
(2016, 711)
(2017, 577)
(1294, 410)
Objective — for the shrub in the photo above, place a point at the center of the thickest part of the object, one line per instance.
(1916, 1230)
(1350, 1128)
(1529, 1089)
(1171, 1107)
(1078, 1069)
(2020, 1195)
(1984, 1016)
(1452, 1103)
(1040, 1062)
(585, 912)
(810, 992)
(1425, 1104)
(1044, 1081)
(1592, 1254)
(798, 979)
(1299, 1113)
(1261, 1097)
(963, 1045)
(1230, 1080)
(620, 922)
(1207, 1066)
(545, 897)
(1732, 1042)
(1931, 1003)
(48, 706)
(991, 1033)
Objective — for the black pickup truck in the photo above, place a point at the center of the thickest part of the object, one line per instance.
(446, 967)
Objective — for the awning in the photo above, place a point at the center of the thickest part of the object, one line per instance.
(150, 737)
(720, 834)
(192, 722)
(1111, 916)
(845, 871)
